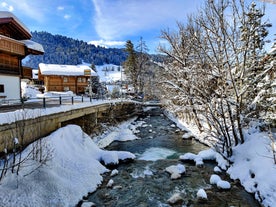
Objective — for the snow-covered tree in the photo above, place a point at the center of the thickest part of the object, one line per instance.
(212, 62)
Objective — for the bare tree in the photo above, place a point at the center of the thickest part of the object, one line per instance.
(211, 63)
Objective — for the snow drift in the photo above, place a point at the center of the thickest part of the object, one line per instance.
(74, 170)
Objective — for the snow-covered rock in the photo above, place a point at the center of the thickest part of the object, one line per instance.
(114, 172)
(188, 135)
(214, 179)
(88, 204)
(223, 184)
(201, 194)
(188, 156)
(110, 183)
(217, 169)
(208, 154)
(175, 198)
(176, 171)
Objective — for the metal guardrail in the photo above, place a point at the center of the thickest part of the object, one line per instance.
(41, 102)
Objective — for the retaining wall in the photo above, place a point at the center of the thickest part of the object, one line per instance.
(29, 130)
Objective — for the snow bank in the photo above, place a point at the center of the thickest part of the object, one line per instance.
(73, 171)
(124, 132)
(254, 167)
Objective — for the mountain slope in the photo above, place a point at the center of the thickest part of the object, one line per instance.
(64, 50)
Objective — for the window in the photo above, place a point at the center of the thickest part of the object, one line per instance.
(66, 88)
(79, 80)
(2, 89)
(84, 80)
(65, 79)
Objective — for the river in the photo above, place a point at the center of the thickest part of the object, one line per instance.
(145, 183)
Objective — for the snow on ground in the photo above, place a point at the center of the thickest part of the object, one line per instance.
(28, 91)
(253, 162)
(255, 168)
(10, 117)
(73, 171)
(110, 73)
(124, 132)
(59, 184)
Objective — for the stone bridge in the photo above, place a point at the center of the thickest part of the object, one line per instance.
(29, 130)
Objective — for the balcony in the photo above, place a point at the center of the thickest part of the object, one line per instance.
(11, 46)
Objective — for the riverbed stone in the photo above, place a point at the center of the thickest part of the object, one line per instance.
(175, 199)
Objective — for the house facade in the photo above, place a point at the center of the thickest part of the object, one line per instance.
(75, 78)
(15, 45)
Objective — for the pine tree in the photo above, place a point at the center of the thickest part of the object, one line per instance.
(130, 65)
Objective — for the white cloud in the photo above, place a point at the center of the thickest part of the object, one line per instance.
(116, 19)
(6, 6)
(67, 16)
(60, 8)
(107, 44)
(31, 9)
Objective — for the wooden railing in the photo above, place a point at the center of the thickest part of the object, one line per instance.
(11, 46)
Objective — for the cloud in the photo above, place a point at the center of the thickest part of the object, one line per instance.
(67, 16)
(31, 9)
(117, 19)
(60, 8)
(107, 44)
(7, 7)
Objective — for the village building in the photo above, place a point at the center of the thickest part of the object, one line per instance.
(75, 78)
(15, 45)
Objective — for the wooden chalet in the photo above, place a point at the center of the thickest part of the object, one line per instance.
(15, 45)
(75, 78)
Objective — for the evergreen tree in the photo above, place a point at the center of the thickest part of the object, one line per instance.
(130, 65)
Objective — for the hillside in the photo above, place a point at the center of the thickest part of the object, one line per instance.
(64, 50)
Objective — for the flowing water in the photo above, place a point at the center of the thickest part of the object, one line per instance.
(144, 182)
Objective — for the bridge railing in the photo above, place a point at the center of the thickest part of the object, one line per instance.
(44, 102)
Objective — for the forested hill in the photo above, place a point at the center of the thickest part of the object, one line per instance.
(64, 50)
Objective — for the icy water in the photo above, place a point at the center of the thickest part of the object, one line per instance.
(144, 182)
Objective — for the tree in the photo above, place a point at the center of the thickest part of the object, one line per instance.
(142, 60)
(130, 65)
(208, 77)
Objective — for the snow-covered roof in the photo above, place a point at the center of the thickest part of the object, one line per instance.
(6, 14)
(66, 70)
(33, 45)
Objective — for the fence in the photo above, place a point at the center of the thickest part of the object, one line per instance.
(43, 102)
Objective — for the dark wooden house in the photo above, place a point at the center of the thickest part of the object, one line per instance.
(15, 45)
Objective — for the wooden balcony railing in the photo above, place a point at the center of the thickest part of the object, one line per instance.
(11, 46)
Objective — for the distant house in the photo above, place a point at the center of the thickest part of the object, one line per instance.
(15, 44)
(75, 78)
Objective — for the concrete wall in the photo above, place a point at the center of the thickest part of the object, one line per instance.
(32, 129)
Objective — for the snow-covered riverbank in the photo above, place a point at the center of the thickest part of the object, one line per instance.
(253, 163)
(75, 168)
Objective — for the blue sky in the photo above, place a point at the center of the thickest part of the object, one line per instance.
(107, 22)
